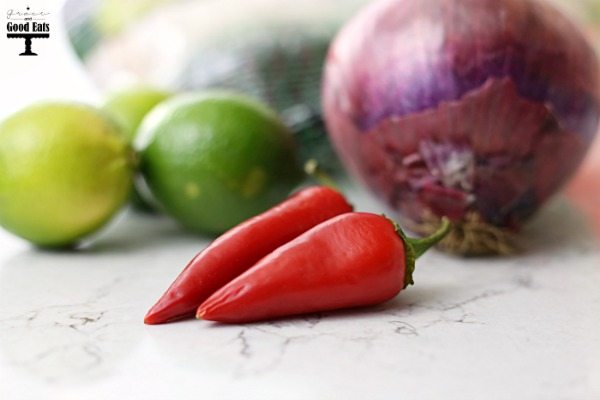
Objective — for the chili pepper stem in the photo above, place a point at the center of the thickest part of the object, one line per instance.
(314, 170)
(416, 247)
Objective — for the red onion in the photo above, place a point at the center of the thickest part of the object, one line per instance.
(478, 110)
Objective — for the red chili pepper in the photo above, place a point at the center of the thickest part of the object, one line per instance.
(241, 247)
(355, 259)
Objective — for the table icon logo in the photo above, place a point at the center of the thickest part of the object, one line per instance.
(27, 24)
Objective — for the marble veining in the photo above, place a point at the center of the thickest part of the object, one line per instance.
(71, 325)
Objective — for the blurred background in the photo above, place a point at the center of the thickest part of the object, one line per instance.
(270, 49)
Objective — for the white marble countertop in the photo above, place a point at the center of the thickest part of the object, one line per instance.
(525, 327)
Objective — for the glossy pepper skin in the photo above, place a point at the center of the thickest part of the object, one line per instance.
(355, 259)
(241, 247)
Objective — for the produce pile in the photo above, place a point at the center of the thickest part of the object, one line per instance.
(464, 116)
(210, 160)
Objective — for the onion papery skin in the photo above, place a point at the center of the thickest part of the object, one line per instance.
(479, 110)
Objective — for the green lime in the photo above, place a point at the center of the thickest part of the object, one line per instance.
(64, 171)
(129, 107)
(215, 159)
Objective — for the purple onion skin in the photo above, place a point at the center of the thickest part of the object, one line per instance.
(454, 107)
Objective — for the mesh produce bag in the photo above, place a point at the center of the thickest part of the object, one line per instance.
(271, 49)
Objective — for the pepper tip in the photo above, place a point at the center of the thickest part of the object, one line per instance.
(150, 319)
